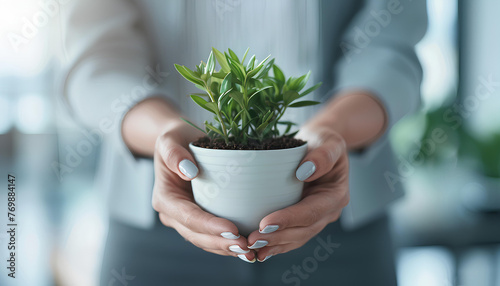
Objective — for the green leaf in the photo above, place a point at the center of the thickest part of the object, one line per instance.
(268, 116)
(238, 115)
(238, 96)
(304, 103)
(302, 81)
(226, 84)
(201, 87)
(264, 72)
(265, 121)
(212, 106)
(233, 55)
(262, 126)
(289, 96)
(211, 127)
(254, 71)
(201, 102)
(245, 55)
(272, 93)
(221, 59)
(194, 125)
(279, 98)
(234, 129)
(311, 89)
(286, 123)
(250, 64)
(298, 84)
(278, 74)
(214, 87)
(219, 75)
(237, 70)
(223, 98)
(189, 74)
(267, 130)
(259, 90)
(200, 68)
(210, 64)
(262, 62)
(200, 94)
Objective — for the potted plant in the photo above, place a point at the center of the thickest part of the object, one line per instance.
(247, 164)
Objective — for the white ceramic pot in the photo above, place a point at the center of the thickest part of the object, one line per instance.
(244, 186)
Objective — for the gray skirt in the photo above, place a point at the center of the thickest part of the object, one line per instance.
(160, 256)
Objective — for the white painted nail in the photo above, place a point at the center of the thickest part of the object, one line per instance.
(267, 257)
(259, 244)
(305, 170)
(229, 235)
(244, 258)
(237, 249)
(269, 228)
(188, 168)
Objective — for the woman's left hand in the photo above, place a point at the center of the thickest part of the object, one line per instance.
(325, 171)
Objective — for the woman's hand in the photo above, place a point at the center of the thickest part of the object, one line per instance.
(325, 170)
(173, 198)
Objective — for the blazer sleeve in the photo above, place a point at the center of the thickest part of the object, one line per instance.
(378, 55)
(108, 65)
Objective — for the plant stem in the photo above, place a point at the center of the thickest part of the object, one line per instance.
(281, 113)
(245, 97)
(226, 138)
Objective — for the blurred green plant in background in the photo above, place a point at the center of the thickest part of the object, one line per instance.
(432, 137)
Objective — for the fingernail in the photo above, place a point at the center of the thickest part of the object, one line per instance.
(229, 235)
(237, 249)
(269, 228)
(258, 244)
(188, 168)
(267, 257)
(244, 258)
(305, 170)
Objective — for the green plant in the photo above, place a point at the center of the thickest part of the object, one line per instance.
(246, 101)
(484, 152)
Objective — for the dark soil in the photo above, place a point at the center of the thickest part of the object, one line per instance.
(268, 144)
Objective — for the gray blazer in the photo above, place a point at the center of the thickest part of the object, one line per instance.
(121, 51)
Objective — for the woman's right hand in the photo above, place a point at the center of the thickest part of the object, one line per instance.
(173, 197)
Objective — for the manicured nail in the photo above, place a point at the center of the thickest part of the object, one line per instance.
(244, 258)
(237, 249)
(229, 235)
(188, 168)
(258, 244)
(305, 170)
(267, 257)
(269, 228)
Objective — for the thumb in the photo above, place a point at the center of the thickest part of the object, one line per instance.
(177, 158)
(320, 160)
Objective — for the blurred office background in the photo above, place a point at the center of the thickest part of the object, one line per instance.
(446, 229)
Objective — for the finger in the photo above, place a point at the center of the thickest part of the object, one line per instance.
(250, 257)
(320, 206)
(320, 160)
(190, 215)
(286, 236)
(211, 242)
(221, 252)
(278, 249)
(176, 157)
